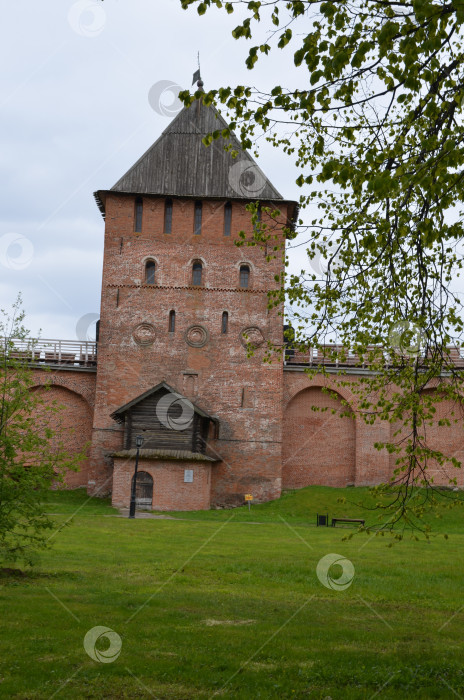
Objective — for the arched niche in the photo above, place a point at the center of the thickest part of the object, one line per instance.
(318, 446)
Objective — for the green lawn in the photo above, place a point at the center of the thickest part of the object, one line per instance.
(300, 507)
(213, 605)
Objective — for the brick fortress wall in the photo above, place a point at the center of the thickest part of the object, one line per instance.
(269, 436)
(323, 447)
(319, 447)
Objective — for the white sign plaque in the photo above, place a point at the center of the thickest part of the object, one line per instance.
(188, 476)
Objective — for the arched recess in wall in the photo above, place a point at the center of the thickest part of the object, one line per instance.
(448, 439)
(318, 447)
(72, 424)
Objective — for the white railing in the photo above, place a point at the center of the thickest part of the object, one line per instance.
(337, 356)
(82, 353)
(331, 355)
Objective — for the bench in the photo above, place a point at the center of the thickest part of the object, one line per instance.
(347, 520)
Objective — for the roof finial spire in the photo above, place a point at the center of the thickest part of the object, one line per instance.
(197, 75)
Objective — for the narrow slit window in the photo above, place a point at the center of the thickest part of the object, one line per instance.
(257, 225)
(247, 397)
(150, 267)
(244, 276)
(225, 322)
(227, 219)
(138, 215)
(197, 271)
(172, 321)
(198, 216)
(168, 216)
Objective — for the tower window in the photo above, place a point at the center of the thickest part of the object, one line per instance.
(247, 397)
(172, 321)
(197, 270)
(150, 267)
(244, 276)
(225, 322)
(138, 215)
(258, 219)
(227, 218)
(168, 216)
(198, 215)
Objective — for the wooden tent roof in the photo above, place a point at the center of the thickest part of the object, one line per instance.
(178, 164)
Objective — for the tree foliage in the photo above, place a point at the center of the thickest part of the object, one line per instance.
(375, 130)
(32, 455)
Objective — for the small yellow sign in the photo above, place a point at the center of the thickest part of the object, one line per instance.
(248, 497)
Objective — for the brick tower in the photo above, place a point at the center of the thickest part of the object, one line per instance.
(179, 303)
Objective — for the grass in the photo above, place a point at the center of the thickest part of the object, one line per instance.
(300, 507)
(211, 605)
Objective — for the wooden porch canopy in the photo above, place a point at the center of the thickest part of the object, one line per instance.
(166, 420)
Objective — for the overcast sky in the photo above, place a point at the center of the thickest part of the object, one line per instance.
(75, 115)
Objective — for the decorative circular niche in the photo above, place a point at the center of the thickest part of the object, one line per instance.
(196, 336)
(252, 337)
(144, 334)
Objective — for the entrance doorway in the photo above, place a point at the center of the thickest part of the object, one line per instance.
(144, 490)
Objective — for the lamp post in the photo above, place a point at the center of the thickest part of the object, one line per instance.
(138, 444)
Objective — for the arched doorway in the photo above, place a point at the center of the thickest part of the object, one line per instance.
(319, 444)
(144, 490)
